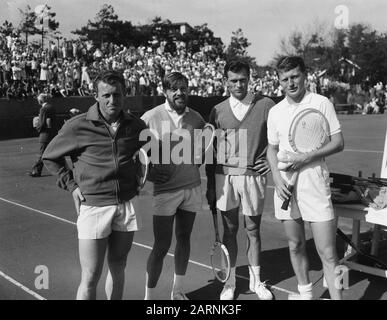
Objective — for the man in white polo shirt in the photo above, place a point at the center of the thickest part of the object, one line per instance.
(311, 200)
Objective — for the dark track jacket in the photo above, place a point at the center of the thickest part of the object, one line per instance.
(103, 167)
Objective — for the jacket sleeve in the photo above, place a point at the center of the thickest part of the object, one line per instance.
(64, 144)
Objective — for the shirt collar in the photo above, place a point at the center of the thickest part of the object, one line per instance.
(169, 108)
(234, 102)
(306, 99)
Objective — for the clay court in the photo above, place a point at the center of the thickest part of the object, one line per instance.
(37, 230)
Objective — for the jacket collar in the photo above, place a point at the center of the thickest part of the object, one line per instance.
(93, 114)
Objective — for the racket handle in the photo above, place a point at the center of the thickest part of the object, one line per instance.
(285, 204)
(215, 221)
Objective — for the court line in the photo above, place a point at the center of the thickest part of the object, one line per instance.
(135, 243)
(24, 288)
(363, 151)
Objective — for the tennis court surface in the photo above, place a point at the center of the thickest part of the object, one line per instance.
(38, 233)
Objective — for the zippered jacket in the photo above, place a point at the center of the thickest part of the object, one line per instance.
(102, 162)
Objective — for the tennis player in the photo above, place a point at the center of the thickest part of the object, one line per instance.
(311, 200)
(177, 191)
(240, 186)
(101, 144)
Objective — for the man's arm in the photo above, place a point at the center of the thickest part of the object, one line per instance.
(336, 144)
(279, 182)
(64, 144)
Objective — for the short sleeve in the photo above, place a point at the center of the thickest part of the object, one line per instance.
(329, 111)
(272, 132)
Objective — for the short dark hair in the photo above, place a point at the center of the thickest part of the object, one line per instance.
(287, 63)
(236, 65)
(173, 78)
(110, 77)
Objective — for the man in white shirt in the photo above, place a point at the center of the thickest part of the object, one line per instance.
(311, 201)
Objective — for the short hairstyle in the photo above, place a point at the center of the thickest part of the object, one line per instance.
(236, 65)
(287, 63)
(173, 78)
(109, 77)
(43, 98)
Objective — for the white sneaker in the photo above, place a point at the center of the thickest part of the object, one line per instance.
(262, 292)
(297, 296)
(227, 292)
(178, 296)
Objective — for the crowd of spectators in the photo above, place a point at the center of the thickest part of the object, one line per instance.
(67, 69)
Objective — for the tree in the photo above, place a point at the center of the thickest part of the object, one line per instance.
(7, 28)
(369, 50)
(311, 44)
(45, 20)
(238, 48)
(27, 23)
(238, 45)
(359, 51)
(100, 29)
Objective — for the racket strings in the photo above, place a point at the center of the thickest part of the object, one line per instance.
(310, 132)
(220, 263)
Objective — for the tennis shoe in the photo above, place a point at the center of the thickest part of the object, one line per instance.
(227, 292)
(178, 296)
(262, 291)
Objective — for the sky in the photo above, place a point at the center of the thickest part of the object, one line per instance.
(264, 23)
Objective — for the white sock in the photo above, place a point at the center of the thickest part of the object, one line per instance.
(256, 272)
(306, 291)
(149, 292)
(178, 283)
(231, 280)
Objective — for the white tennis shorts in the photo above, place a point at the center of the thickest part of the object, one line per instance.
(245, 192)
(311, 198)
(98, 222)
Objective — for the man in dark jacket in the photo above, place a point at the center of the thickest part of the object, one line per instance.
(102, 144)
(46, 129)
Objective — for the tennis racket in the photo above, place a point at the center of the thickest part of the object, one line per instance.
(220, 258)
(141, 161)
(372, 259)
(309, 131)
(203, 140)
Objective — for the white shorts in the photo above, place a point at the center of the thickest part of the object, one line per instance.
(245, 192)
(166, 204)
(98, 222)
(311, 198)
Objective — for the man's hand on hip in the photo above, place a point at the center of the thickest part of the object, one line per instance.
(78, 198)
